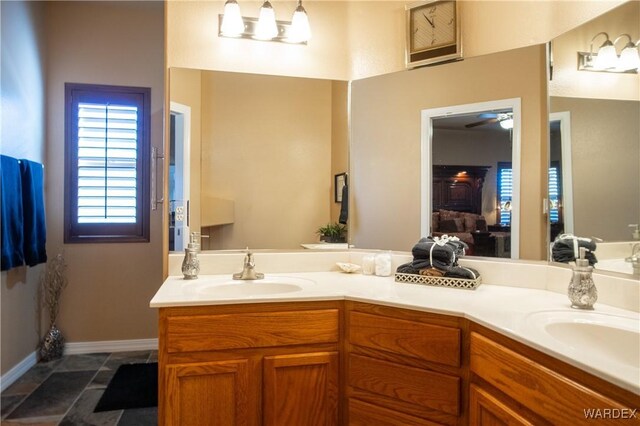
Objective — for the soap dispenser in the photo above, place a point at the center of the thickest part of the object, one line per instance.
(191, 263)
(582, 290)
(635, 233)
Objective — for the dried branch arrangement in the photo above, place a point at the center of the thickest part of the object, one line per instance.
(52, 283)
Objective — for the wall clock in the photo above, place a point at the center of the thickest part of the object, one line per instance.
(433, 32)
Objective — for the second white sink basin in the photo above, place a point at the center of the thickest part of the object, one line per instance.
(225, 288)
(610, 338)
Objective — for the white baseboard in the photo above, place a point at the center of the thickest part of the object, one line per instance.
(17, 371)
(76, 348)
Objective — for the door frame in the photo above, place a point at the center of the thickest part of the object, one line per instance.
(426, 174)
(182, 115)
(564, 118)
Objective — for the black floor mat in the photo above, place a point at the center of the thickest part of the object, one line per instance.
(133, 386)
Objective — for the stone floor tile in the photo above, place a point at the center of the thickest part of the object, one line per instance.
(54, 396)
(139, 417)
(102, 378)
(82, 362)
(30, 380)
(8, 403)
(82, 411)
(34, 421)
(153, 357)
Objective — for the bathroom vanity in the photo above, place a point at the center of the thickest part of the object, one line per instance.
(364, 350)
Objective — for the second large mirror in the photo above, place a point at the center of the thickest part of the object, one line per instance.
(265, 155)
(595, 134)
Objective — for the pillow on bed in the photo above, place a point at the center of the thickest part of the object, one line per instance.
(452, 225)
(448, 215)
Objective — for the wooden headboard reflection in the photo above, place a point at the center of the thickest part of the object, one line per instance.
(458, 188)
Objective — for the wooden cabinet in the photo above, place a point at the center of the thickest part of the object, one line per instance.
(334, 363)
(208, 393)
(552, 392)
(262, 364)
(487, 410)
(403, 365)
(301, 389)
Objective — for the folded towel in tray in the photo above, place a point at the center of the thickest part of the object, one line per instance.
(565, 249)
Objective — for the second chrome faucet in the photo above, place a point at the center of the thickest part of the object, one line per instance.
(248, 269)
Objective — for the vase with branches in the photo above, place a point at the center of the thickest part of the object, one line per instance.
(52, 282)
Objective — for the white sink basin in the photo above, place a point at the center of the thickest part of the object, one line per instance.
(225, 288)
(610, 338)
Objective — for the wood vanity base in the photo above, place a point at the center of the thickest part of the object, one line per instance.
(350, 363)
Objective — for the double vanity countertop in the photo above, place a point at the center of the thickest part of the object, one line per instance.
(540, 317)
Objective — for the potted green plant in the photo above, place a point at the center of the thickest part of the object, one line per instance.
(333, 233)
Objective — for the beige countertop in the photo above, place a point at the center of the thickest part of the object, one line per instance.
(513, 311)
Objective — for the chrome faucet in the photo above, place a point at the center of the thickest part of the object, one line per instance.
(634, 259)
(248, 269)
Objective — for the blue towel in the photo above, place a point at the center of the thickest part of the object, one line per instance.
(35, 228)
(11, 213)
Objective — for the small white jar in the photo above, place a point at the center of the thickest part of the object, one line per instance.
(368, 264)
(383, 264)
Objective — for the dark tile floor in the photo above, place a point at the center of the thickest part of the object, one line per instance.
(65, 392)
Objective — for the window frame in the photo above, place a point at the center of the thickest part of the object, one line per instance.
(75, 232)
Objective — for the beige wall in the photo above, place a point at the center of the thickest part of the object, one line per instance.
(185, 88)
(119, 43)
(339, 138)
(475, 147)
(605, 157)
(358, 39)
(569, 82)
(266, 145)
(22, 136)
(385, 144)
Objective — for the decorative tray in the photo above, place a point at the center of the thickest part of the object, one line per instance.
(438, 281)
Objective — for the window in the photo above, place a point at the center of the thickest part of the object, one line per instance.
(555, 192)
(106, 163)
(505, 192)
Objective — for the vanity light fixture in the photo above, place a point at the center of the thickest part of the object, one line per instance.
(607, 59)
(232, 24)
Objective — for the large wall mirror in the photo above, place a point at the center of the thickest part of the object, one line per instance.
(393, 151)
(262, 153)
(595, 134)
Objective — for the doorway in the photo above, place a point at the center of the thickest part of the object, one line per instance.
(470, 182)
(179, 177)
(560, 175)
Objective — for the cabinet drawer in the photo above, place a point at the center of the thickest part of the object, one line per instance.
(363, 414)
(415, 386)
(415, 339)
(553, 396)
(251, 330)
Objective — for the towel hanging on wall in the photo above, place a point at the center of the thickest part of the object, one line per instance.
(35, 229)
(11, 215)
(344, 207)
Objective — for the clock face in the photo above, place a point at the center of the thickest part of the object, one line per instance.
(432, 26)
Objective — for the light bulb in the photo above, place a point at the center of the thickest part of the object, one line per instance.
(300, 31)
(267, 27)
(629, 58)
(232, 24)
(507, 124)
(607, 56)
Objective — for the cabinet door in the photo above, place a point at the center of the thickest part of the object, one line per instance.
(207, 393)
(301, 389)
(487, 410)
